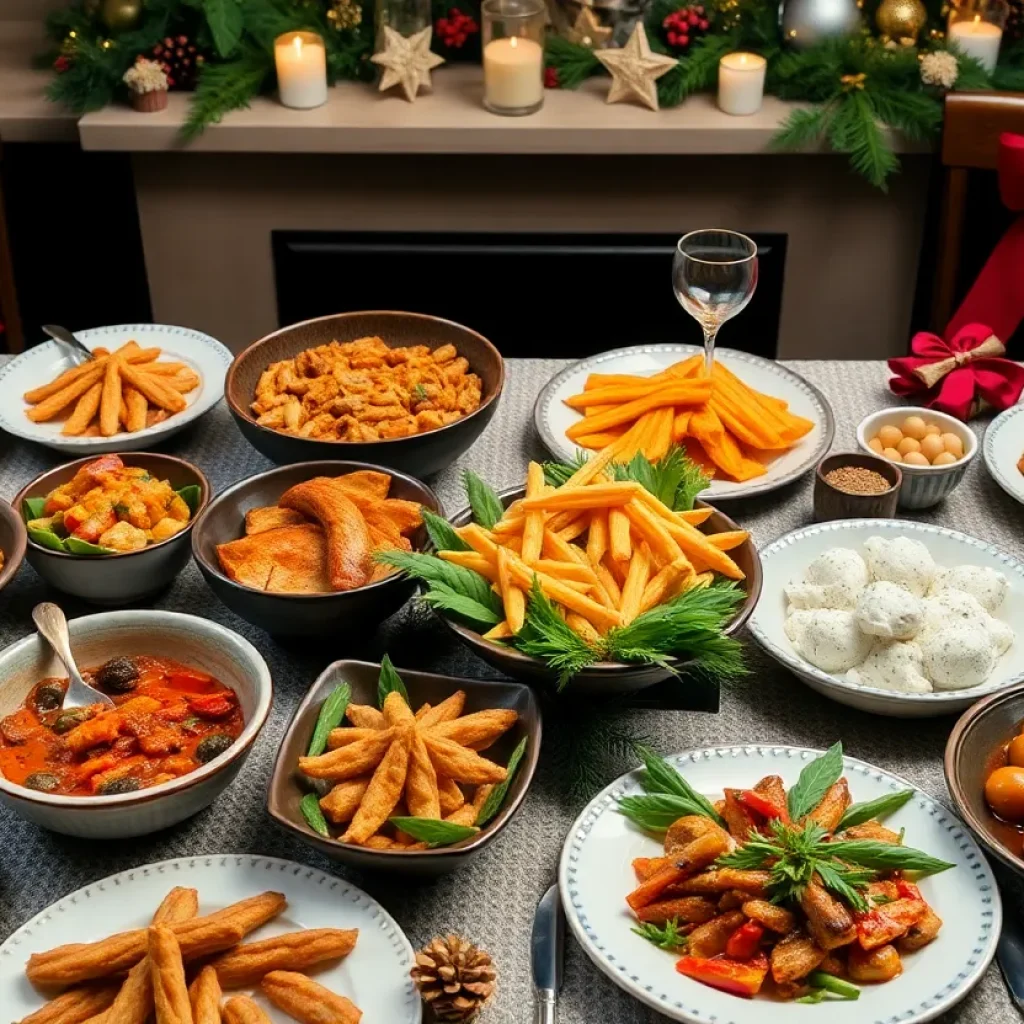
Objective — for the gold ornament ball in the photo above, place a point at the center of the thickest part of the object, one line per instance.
(901, 19)
(120, 15)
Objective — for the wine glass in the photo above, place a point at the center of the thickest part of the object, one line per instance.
(714, 275)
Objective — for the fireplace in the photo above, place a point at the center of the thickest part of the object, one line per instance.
(534, 295)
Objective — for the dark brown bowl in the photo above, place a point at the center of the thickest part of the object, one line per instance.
(980, 731)
(127, 576)
(606, 678)
(13, 542)
(832, 503)
(301, 614)
(285, 791)
(422, 454)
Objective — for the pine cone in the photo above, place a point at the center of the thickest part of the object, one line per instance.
(181, 60)
(455, 978)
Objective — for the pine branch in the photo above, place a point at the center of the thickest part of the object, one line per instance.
(802, 128)
(917, 115)
(573, 62)
(854, 130)
(222, 88)
(696, 72)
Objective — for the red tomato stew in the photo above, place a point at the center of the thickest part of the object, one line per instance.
(168, 721)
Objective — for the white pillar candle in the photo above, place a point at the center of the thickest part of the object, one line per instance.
(301, 60)
(978, 39)
(741, 83)
(513, 74)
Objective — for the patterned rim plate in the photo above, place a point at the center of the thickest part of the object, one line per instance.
(785, 559)
(375, 976)
(1002, 449)
(207, 356)
(552, 417)
(595, 875)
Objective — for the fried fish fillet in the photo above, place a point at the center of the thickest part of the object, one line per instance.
(290, 559)
(270, 517)
(348, 537)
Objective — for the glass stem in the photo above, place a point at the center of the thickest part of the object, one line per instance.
(710, 333)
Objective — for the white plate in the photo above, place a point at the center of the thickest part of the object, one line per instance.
(1002, 449)
(595, 875)
(39, 365)
(785, 561)
(375, 976)
(553, 417)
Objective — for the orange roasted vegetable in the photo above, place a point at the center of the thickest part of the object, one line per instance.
(740, 978)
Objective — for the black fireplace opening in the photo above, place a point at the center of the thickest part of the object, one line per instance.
(536, 295)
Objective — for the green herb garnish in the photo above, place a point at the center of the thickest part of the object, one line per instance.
(434, 832)
(660, 777)
(674, 479)
(830, 983)
(32, 508)
(558, 473)
(857, 814)
(419, 392)
(655, 812)
(816, 779)
(389, 682)
(332, 711)
(191, 495)
(47, 539)
(496, 797)
(441, 533)
(666, 936)
(546, 636)
(310, 807)
(485, 504)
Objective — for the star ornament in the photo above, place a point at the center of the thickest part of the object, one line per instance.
(407, 61)
(635, 69)
(588, 31)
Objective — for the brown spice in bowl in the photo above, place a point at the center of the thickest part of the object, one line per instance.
(857, 480)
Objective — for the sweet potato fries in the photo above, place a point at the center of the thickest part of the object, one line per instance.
(725, 425)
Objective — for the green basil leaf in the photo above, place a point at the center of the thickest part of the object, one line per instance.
(486, 505)
(661, 777)
(434, 832)
(77, 546)
(310, 807)
(496, 797)
(432, 570)
(657, 811)
(332, 711)
(442, 534)
(816, 779)
(191, 495)
(857, 814)
(390, 682)
(47, 539)
(886, 856)
(32, 508)
(448, 600)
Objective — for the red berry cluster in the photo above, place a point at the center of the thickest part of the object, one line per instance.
(551, 78)
(683, 26)
(62, 64)
(454, 30)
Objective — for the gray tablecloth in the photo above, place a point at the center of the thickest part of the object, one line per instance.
(492, 901)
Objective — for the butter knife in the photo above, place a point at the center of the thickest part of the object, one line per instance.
(547, 950)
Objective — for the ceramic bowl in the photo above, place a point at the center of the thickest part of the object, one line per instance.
(606, 679)
(983, 729)
(422, 454)
(830, 502)
(785, 561)
(193, 641)
(923, 486)
(130, 576)
(13, 542)
(286, 792)
(301, 614)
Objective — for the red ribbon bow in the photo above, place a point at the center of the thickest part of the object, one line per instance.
(954, 375)
(957, 374)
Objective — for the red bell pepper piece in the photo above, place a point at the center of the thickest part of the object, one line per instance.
(745, 941)
(738, 978)
(212, 705)
(882, 925)
(762, 805)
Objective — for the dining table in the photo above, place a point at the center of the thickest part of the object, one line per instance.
(491, 901)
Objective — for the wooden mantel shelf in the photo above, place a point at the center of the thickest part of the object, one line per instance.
(358, 119)
(26, 115)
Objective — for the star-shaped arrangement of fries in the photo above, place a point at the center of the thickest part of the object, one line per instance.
(126, 390)
(405, 780)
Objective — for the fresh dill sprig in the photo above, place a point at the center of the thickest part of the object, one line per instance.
(674, 479)
(546, 636)
(666, 936)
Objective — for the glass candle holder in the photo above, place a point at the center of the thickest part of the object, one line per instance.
(301, 61)
(975, 27)
(741, 83)
(406, 17)
(513, 54)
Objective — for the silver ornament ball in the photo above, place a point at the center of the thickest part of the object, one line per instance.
(806, 23)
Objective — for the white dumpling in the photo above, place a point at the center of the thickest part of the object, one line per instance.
(802, 596)
(903, 561)
(832, 580)
(887, 610)
(953, 607)
(1001, 634)
(958, 657)
(987, 585)
(828, 638)
(892, 665)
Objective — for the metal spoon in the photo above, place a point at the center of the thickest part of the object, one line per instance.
(53, 628)
(69, 345)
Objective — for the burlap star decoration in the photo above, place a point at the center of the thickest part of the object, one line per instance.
(588, 31)
(406, 61)
(635, 69)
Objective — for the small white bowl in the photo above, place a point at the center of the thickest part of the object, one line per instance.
(923, 486)
(193, 641)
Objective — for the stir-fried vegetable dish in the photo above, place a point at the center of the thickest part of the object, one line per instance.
(109, 507)
(168, 721)
(800, 893)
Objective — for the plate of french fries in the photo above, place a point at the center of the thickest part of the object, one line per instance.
(228, 938)
(753, 426)
(144, 383)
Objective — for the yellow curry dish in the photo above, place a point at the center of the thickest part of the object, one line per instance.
(109, 508)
